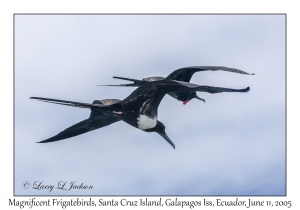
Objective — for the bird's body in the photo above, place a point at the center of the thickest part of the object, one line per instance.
(184, 75)
(139, 109)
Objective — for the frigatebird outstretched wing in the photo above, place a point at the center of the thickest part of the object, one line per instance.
(208, 89)
(84, 126)
(182, 74)
(185, 74)
(97, 119)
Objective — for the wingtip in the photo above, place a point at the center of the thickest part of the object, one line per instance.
(110, 85)
(247, 89)
(38, 98)
(44, 141)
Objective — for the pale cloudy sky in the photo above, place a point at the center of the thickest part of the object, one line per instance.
(234, 144)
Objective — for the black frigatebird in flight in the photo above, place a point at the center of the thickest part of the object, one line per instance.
(139, 109)
(182, 74)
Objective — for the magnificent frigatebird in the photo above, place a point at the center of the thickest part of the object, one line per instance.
(139, 109)
(182, 74)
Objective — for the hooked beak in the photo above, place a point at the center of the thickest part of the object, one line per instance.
(200, 98)
(164, 135)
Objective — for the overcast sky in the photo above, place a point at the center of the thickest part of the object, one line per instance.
(234, 144)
